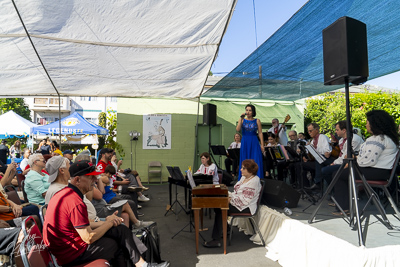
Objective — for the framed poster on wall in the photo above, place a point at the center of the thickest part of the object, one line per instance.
(157, 131)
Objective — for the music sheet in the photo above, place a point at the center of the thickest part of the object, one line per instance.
(320, 159)
(190, 178)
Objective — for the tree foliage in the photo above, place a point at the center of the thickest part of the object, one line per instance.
(108, 120)
(327, 109)
(17, 105)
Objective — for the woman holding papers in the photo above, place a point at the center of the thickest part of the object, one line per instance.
(376, 157)
(242, 200)
(250, 146)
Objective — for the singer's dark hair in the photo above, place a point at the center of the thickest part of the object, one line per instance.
(253, 109)
(382, 123)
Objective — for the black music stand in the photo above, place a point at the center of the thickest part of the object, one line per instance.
(292, 153)
(176, 175)
(218, 150)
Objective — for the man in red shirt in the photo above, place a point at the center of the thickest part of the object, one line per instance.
(105, 159)
(74, 240)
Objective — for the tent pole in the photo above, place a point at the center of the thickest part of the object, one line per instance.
(59, 118)
(196, 134)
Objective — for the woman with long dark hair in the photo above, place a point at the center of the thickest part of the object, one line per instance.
(250, 146)
(376, 157)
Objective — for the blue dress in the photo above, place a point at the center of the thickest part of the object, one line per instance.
(250, 146)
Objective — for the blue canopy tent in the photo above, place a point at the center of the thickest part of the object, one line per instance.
(74, 124)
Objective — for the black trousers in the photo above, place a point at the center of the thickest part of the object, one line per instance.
(217, 229)
(231, 162)
(116, 246)
(342, 185)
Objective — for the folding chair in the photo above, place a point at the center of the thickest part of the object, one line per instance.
(12, 194)
(251, 217)
(155, 169)
(384, 186)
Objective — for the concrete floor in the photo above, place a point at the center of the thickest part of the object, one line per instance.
(180, 250)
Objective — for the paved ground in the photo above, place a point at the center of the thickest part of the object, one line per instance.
(181, 249)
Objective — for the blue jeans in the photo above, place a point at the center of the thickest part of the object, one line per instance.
(328, 171)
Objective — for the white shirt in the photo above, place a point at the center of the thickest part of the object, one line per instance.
(283, 139)
(210, 170)
(245, 195)
(234, 145)
(378, 151)
(355, 143)
(23, 164)
(323, 145)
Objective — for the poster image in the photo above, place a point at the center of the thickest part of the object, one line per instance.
(157, 131)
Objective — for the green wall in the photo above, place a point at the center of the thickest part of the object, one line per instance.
(183, 118)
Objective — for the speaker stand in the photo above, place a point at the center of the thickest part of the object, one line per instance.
(352, 165)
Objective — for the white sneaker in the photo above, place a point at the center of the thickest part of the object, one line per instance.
(141, 224)
(139, 207)
(143, 198)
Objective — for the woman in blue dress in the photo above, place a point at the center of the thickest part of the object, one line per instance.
(250, 147)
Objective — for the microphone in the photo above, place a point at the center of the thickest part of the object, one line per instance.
(242, 116)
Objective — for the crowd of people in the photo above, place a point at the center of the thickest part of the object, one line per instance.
(92, 212)
(79, 193)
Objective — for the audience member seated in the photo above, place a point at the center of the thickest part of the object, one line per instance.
(229, 161)
(135, 184)
(243, 199)
(376, 157)
(67, 222)
(110, 197)
(36, 181)
(207, 167)
(10, 211)
(24, 162)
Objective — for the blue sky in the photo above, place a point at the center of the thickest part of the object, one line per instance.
(240, 39)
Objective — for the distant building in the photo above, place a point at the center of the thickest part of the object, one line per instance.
(44, 110)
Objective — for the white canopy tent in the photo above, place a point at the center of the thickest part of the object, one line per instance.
(12, 124)
(129, 48)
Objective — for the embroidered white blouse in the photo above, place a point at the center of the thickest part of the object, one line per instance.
(378, 151)
(245, 195)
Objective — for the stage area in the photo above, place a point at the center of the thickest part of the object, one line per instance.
(329, 241)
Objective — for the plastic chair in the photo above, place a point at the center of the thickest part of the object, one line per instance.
(384, 186)
(248, 215)
(155, 170)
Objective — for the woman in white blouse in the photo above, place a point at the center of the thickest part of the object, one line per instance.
(376, 157)
(207, 167)
(243, 199)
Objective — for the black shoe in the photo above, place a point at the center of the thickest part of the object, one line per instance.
(162, 264)
(212, 244)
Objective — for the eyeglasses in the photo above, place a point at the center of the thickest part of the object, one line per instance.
(311, 130)
(243, 168)
(290, 135)
(42, 160)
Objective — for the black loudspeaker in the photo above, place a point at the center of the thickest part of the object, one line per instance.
(276, 193)
(345, 52)
(209, 114)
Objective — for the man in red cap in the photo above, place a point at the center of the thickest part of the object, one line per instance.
(74, 240)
